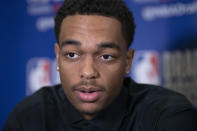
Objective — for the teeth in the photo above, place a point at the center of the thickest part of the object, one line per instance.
(88, 92)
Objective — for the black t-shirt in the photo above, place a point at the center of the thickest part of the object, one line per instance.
(138, 108)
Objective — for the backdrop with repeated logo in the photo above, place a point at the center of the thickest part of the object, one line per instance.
(165, 47)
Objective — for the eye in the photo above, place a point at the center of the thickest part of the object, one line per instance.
(107, 57)
(72, 55)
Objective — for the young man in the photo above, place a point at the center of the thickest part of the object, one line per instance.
(93, 56)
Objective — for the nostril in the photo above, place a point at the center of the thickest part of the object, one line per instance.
(89, 75)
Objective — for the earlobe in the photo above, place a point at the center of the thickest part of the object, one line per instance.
(129, 59)
(57, 55)
(57, 68)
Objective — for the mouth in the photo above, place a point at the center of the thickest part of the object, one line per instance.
(88, 95)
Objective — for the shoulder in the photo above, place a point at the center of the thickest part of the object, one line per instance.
(31, 110)
(168, 110)
(157, 108)
(45, 95)
(35, 103)
(157, 96)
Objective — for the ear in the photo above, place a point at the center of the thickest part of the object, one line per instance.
(57, 53)
(129, 59)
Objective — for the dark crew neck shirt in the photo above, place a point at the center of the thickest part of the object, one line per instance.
(137, 108)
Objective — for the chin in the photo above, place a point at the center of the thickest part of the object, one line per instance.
(89, 109)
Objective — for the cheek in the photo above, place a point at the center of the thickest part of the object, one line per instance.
(115, 70)
(112, 76)
(68, 73)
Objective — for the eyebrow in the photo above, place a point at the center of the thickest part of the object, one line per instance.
(70, 42)
(103, 45)
(109, 45)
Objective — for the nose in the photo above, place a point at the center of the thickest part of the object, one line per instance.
(88, 69)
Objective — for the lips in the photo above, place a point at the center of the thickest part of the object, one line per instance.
(86, 94)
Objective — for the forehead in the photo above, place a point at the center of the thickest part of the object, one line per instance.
(91, 27)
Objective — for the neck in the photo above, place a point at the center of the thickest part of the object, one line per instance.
(89, 116)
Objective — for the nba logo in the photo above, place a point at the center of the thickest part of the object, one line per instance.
(146, 67)
(38, 74)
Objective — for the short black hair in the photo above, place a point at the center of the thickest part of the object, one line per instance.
(109, 8)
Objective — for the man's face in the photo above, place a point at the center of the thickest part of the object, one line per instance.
(92, 59)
